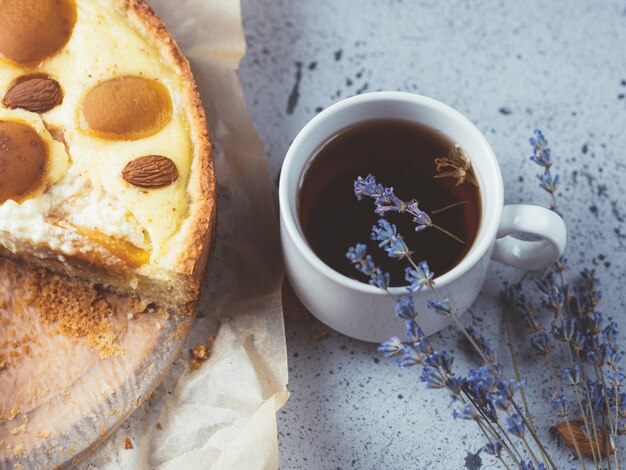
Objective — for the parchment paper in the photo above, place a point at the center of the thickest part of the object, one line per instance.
(223, 415)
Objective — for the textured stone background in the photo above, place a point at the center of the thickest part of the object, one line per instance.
(510, 67)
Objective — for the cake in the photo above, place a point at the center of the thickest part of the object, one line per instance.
(106, 170)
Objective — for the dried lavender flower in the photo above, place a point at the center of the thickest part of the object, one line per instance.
(384, 198)
(541, 343)
(405, 307)
(468, 412)
(493, 448)
(442, 307)
(541, 152)
(420, 277)
(542, 157)
(460, 166)
(573, 374)
(357, 255)
(515, 425)
(422, 219)
(392, 347)
(560, 406)
(390, 240)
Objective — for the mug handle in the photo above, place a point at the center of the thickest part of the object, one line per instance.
(533, 220)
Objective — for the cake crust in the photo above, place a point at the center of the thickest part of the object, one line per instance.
(192, 259)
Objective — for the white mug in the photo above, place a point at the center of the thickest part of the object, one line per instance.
(366, 312)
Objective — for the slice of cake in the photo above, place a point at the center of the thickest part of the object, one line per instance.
(106, 171)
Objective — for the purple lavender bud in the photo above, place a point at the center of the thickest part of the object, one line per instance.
(560, 406)
(573, 374)
(380, 279)
(493, 448)
(433, 377)
(443, 307)
(541, 152)
(515, 425)
(365, 186)
(411, 357)
(468, 412)
(541, 342)
(392, 347)
(420, 278)
(405, 308)
(389, 239)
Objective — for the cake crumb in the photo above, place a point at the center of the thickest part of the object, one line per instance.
(201, 352)
(159, 427)
(43, 434)
(137, 305)
(181, 332)
(18, 430)
(105, 341)
(18, 449)
(77, 308)
(19, 466)
(318, 335)
(128, 444)
(13, 413)
(15, 346)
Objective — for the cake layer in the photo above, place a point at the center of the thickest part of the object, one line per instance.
(171, 291)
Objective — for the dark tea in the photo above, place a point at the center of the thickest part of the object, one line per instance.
(400, 154)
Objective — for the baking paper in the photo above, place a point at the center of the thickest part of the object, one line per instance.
(223, 415)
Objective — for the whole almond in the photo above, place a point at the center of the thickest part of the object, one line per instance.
(584, 442)
(36, 94)
(151, 172)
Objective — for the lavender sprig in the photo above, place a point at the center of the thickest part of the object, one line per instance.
(580, 327)
(542, 157)
(541, 153)
(386, 200)
(363, 262)
(390, 240)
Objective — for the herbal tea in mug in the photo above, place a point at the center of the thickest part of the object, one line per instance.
(422, 165)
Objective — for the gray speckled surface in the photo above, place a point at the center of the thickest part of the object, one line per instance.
(510, 67)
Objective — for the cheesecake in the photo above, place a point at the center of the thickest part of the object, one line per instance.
(106, 170)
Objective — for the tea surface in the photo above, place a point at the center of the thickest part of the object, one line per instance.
(399, 154)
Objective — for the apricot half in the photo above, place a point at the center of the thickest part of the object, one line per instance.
(126, 108)
(23, 157)
(33, 30)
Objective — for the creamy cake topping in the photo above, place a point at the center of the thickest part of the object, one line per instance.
(75, 202)
(116, 110)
